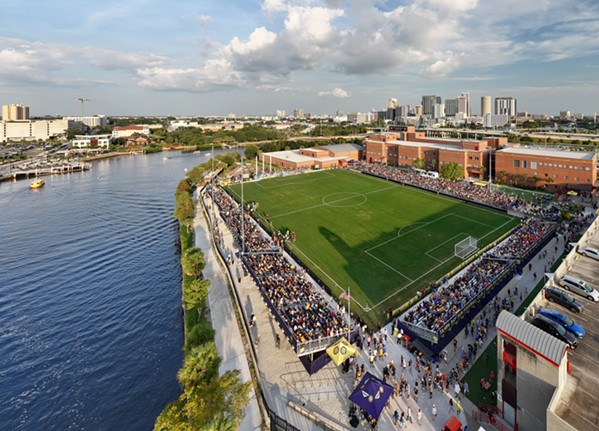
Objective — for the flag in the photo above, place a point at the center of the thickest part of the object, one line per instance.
(345, 296)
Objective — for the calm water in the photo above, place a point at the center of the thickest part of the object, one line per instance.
(90, 296)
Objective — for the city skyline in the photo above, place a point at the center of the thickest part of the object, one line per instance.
(144, 57)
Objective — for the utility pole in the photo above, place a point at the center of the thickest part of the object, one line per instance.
(213, 185)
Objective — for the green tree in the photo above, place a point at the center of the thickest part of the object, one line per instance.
(503, 176)
(524, 177)
(184, 208)
(196, 293)
(418, 163)
(193, 262)
(200, 366)
(537, 179)
(251, 151)
(516, 178)
(452, 171)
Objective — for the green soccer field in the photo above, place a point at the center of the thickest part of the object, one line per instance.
(383, 240)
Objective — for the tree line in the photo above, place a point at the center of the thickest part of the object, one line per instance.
(208, 401)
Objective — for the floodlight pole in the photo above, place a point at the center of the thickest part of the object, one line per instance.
(242, 215)
(212, 180)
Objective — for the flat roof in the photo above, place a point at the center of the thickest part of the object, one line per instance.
(341, 148)
(548, 153)
(531, 337)
(295, 157)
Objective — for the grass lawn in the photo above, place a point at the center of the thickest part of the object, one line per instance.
(481, 370)
(383, 240)
(527, 195)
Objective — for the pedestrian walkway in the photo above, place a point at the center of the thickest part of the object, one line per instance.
(228, 338)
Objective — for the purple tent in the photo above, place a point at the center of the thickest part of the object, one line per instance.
(371, 394)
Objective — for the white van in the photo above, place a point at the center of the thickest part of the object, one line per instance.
(579, 286)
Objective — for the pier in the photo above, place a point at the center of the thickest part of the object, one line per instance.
(25, 172)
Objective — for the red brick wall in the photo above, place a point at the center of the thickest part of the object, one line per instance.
(564, 172)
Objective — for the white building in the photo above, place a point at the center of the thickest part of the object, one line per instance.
(438, 110)
(506, 105)
(90, 121)
(91, 141)
(32, 130)
(492, 120)
(128, 131)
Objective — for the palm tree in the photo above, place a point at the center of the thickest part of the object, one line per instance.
(516, 178)
(201, 365)
(193, 262)
(537, 179)
(503, 175)
(524, 177)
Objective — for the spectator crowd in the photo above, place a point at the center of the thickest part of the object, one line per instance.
(304, 309)
(447, 299)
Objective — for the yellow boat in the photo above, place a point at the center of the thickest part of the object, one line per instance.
(37, 184)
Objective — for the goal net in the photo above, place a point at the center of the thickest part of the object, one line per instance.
(466, 247)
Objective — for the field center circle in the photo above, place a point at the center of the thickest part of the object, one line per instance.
(344, 199)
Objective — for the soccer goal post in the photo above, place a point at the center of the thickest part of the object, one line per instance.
(466, 247)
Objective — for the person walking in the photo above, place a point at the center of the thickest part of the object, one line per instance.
(419, 416)
(450, 405)
(434, 412)
(458, 407)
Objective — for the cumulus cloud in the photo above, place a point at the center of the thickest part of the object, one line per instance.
(442, 68)
(332, 37)
(337, 92)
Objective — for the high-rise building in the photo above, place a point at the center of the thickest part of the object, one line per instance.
(451, 107)
(464, 104)
(15, 112)
(280, 113)
(418, 110)
(298, 113)
(438, 110)
(404, 111)
(467, 107)
(505, 105)
(485, 105)
(428, 103)
(391, 103)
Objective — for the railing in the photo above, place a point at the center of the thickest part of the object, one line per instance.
(492, 419)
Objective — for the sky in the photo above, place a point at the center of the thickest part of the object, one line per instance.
(251, 57)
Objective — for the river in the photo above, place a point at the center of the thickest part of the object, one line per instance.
(90, 296)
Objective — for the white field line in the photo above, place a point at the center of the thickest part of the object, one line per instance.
(431, 270)
(388, 266)
(443, 243)
(399, 234)
(332, 202)
(304, 181)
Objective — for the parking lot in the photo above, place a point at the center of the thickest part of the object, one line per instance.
(579, 404)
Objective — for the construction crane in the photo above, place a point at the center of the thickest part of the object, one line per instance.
(82, 100)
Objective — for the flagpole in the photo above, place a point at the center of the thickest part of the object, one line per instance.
(349, 313)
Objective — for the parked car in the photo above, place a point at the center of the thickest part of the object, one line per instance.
(591, 252)
(579, 286)
(553, 294)
(566, 321)
(555, 329)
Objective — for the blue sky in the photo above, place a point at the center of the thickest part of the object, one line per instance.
(183, 57)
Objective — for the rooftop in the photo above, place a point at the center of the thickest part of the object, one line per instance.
(548, 153)
(295, 157)
(533, 338)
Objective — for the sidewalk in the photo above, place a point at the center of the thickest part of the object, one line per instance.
(228, 337)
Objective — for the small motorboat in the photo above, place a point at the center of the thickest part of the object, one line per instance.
(37, 184)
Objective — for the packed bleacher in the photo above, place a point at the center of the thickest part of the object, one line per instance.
(448, 299)
(463, 190)
(303, 309)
